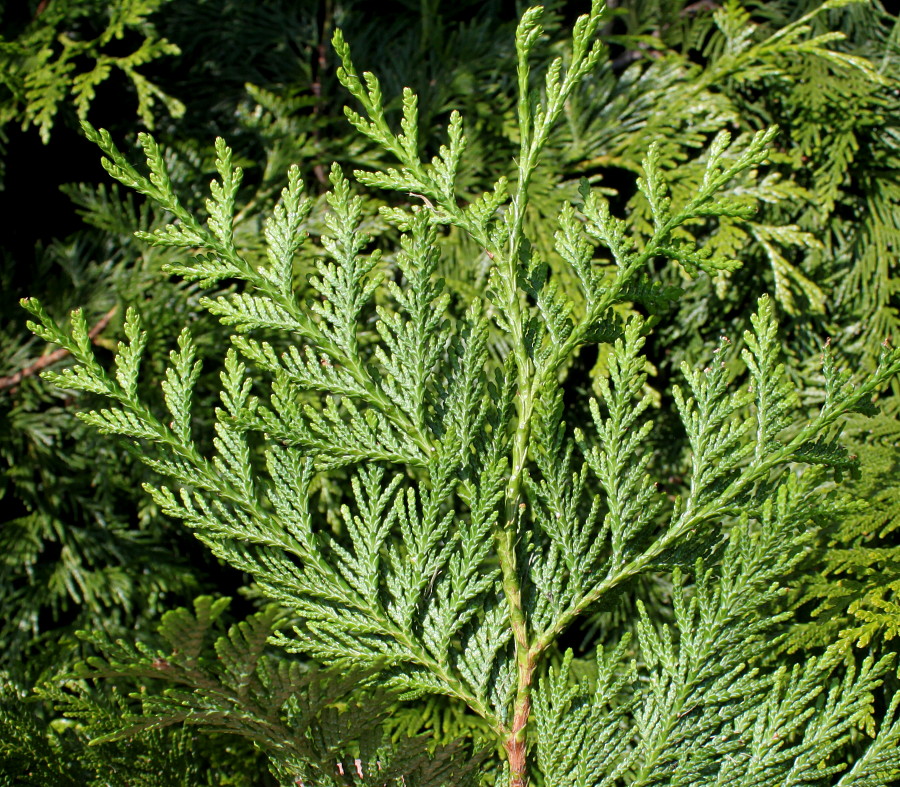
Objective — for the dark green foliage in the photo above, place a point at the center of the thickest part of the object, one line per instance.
(33, 752)
(312, 726)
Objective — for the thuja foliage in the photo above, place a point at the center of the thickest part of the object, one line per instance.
(852, 593)
(700, 67)
(67, 50)
(478, 526)
(823, 237)
(80, 548)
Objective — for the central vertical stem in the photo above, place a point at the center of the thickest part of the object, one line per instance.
(516, 743)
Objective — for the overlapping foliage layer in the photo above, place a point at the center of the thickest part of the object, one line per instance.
(454, 436)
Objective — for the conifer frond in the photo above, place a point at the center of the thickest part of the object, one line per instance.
(853, 594)
(477, 525)
(703, 714)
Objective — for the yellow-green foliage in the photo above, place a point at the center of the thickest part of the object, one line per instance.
(853, 592)
(69, 49)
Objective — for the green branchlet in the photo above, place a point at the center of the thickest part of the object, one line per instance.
(479, 525)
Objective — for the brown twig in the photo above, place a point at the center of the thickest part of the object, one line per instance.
(700, 5)
(35, 367)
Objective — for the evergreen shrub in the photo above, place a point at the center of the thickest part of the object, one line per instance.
(430, 508)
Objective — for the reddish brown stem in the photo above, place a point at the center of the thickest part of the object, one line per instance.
(516, 744)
